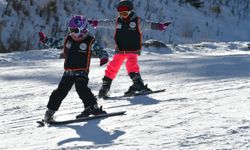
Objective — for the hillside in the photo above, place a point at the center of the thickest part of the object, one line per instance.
(202, 60)
(214, 20)
(206, 104)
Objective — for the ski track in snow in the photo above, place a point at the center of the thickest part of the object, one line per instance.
(205, 106)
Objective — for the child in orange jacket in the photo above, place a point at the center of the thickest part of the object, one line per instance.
(78, 46)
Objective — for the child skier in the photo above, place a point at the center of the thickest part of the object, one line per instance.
(78, 46)
(128, 39)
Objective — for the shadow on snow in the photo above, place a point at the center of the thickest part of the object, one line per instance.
(91, 132)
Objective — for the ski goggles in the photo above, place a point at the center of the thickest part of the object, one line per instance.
(124, 13)
(77, 30)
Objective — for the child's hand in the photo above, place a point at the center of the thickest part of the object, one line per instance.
(42, 37)
(163, 26)
(104, 60)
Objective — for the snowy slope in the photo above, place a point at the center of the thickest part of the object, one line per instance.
(206, 104)
(21, 20)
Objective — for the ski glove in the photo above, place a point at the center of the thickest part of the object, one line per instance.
(163, 26)
(42, 37)
(93, 23)
(49, 42)
(104, 60)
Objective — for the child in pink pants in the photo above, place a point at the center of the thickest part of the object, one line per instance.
(128, 39)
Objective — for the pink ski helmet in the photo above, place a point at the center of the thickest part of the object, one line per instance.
(78, 24)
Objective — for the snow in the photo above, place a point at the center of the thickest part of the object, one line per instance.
(189, 24)
(206, 104)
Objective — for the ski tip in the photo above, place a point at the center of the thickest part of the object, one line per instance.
(122, 112)
(40, 123)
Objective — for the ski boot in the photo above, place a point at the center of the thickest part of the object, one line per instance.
(91, 110)
(103, 92)
(137, 86)
(49, 115)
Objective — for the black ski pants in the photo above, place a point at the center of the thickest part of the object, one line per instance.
(66, 83)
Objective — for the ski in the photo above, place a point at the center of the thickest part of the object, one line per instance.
(136, 94)
(54, 122)
(146, 93)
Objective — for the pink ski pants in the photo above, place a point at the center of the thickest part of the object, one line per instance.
(118, 59)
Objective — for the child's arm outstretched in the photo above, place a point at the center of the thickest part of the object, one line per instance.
(147, 25)
(106, 23)
(101, 53)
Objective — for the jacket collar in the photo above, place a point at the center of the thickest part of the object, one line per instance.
(131, 16)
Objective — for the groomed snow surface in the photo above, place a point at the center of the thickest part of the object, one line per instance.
(206, 104)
